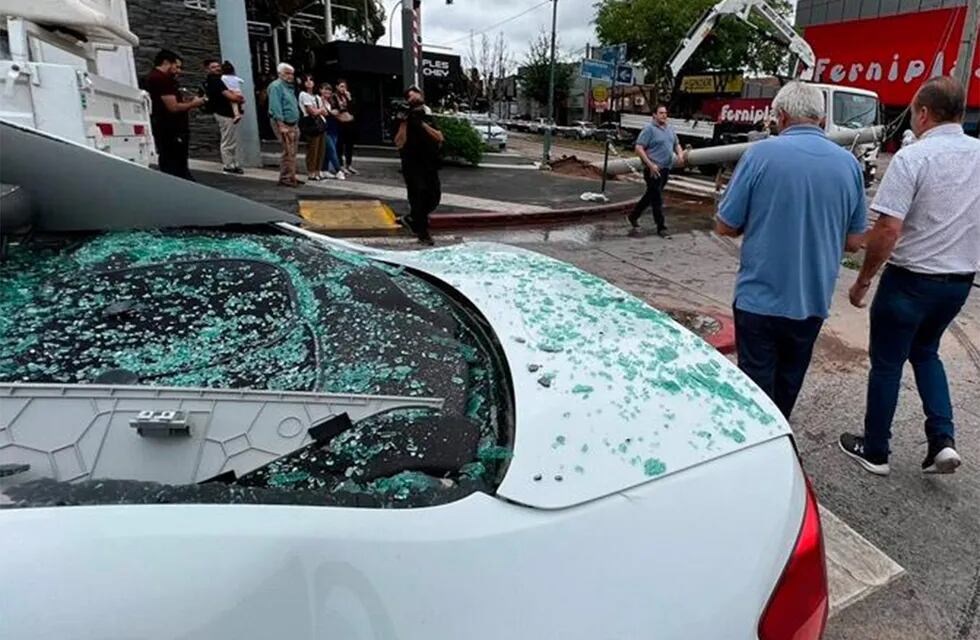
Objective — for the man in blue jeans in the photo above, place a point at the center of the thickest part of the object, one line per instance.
(928, 231)
(658, 149)
(798, 198)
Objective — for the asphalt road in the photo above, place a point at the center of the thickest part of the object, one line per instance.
(929, 525)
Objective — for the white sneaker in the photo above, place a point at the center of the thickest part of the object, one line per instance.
(341, 176)
(329, 176)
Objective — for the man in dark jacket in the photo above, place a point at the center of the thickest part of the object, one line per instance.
(418, 140)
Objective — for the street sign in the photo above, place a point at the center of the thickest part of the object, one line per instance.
(613, 54)
(624, 75)
(597, 70)
(600, 93)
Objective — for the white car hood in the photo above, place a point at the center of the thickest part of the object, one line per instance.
(609, 393)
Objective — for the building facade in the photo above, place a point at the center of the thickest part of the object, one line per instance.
(888, 46)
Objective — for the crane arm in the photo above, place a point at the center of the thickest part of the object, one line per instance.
(742, 9)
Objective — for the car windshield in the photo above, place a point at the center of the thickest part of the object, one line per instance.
(855, 111)
(263, 311)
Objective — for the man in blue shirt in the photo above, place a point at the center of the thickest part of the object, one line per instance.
(656, 147)
(798, 199)
(284, 114)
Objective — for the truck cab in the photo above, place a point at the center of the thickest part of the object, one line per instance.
(849, 108)
(67, 68)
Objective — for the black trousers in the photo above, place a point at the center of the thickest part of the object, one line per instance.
(345, 143)
(173, 150)
(775, 352)
(654, 197)
(424, 195)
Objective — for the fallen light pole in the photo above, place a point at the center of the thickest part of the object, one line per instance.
(730, 153)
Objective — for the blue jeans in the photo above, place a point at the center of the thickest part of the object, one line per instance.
(775, 353)
(909, 315)
(331, 162)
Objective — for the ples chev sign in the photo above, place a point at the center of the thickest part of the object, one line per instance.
(435, 68)
(892, 55)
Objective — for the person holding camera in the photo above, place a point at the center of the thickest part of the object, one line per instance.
(419, 141)
(169, 120)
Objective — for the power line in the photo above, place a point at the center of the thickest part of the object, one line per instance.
(498, 24)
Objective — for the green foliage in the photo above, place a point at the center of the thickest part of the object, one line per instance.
(462, 140)
(652, 30)
(534, 73)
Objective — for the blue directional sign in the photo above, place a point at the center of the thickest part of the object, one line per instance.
(597, 70)
(624, 75)
(613, 54)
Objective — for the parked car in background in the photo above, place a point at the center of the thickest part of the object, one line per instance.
(494, 136)
(584, 129)
(615, 134)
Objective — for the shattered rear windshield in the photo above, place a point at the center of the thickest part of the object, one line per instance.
(250, 310)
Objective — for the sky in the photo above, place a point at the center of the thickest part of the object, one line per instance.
(451, 25)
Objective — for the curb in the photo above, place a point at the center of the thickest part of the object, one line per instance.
(724, 340)
(452, 220)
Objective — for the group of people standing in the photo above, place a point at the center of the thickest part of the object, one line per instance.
(323, 115)
(798, 201)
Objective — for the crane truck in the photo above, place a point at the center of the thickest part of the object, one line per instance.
(727, 120)
(67, 68)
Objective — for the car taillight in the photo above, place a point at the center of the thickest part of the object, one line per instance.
(105, 128)
(139, 129)
(798, 607)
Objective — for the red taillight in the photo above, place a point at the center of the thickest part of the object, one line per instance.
(139, 129)
(798, 607)
(105, 128)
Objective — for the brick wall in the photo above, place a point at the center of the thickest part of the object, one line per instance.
(191, 33)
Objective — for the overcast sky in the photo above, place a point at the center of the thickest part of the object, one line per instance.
(451, 24)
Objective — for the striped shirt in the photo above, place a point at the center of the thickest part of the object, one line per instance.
(933, 185)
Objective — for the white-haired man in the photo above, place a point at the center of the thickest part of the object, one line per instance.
(798, 199)
(284, 113)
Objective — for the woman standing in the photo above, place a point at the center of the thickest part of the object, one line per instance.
(331, 161)
(344, 105)
(312, 126)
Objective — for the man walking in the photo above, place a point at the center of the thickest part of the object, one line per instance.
(284, 115)
(929, 234)
(169, 120)
(798, 198)
(418, 141)
(220, 101)
(657, 147)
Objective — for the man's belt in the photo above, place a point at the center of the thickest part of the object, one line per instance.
(936, 277)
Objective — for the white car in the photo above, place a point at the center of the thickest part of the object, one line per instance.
(622, 479)
(494, 136)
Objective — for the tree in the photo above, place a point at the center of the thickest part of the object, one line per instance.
(489, 64)
(652, 30)
(534, 73)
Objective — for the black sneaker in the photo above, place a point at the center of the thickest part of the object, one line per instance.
(853, 446)
(634, 220)
(229, 169)
(663, 233)
(942, 457)
(427, 240)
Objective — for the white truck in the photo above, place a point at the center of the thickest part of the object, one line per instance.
(848, 108)
(67, 68)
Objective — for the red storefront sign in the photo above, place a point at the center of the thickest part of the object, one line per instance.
(892, 55)
(737, 110)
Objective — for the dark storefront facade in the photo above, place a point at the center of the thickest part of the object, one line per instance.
(374, 75)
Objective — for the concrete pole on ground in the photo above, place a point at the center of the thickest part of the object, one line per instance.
(328, 20)
(968, 47)
(233, 39)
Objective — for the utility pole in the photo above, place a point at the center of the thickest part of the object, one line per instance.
(968, 46)
(367, 24)
(411, 43)
(233, 39)
(328, 20)
(546, 155)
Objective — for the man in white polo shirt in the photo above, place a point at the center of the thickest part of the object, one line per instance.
(929, 234)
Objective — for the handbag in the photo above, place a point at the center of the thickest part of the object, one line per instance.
(311, 126)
